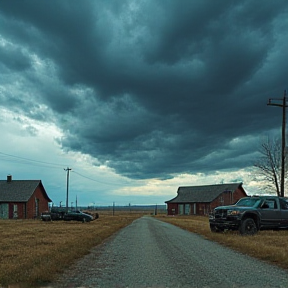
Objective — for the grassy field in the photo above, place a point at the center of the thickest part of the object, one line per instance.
(270, 246)
(33, 252)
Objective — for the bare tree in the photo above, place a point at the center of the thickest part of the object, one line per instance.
(269, 164)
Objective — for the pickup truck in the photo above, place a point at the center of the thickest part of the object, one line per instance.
(251, 214)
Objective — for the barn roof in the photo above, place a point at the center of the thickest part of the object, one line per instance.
(207, 193)
(19, 190)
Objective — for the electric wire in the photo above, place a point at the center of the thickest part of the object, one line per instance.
(21, 160)
(37, 163)
(102, 182)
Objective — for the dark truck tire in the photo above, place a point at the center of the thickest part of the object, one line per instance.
(248, 227)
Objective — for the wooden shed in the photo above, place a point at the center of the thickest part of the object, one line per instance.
(22, 199)
(200, 200)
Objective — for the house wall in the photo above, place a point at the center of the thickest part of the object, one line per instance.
(16, 210)
(172, 209)
(30, 210)
(228, 198)
(36, 204)
(203, 208)
(238, 194)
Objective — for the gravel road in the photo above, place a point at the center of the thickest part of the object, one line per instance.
(151, 253)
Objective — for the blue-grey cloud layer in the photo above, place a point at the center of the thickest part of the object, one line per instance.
(150, 88)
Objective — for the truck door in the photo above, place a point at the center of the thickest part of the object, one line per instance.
(284, 212)
(270, 213)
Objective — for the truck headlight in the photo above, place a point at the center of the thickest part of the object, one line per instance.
(233, 212)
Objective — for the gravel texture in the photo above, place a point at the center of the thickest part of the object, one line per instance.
(151, 253)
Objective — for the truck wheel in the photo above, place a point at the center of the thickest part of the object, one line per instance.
(248, 227)
(215, 229)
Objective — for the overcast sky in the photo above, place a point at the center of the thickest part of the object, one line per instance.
(138, 97)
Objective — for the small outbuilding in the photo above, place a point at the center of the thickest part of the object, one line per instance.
(200, 200)
(22, 199)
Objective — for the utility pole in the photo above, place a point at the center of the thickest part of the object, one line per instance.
(68, 169)
(281, 103)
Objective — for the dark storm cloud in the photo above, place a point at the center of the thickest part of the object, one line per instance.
(15, 59)
(153, 88)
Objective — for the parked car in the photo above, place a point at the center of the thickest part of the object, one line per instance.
(77, 216)
(54, 214)
(59, 213)
(251, 214)
(46, 216)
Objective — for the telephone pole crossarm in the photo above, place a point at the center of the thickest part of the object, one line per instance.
(284, 102)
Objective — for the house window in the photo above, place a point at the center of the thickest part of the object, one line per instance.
(221, 200)
(193, 208)
(24, 210)
(180, 209)
(187, 209)
(205, 209)
(36, 207)
(15, 211)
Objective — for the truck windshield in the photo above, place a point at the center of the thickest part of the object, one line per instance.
(248, 202)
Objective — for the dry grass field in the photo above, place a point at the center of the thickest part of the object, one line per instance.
(33, 252)
(270, 246)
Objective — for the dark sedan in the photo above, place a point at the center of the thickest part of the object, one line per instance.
(78, 216)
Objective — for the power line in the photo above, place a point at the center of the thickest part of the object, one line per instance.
(91, 179)
(23, 160)
(18, 159)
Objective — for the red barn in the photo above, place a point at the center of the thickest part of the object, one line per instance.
(200, 200)
(22, 199)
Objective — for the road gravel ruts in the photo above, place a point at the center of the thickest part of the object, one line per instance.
(151, 253)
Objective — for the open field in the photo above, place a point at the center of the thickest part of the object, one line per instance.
(270, 246)
(33, 251)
